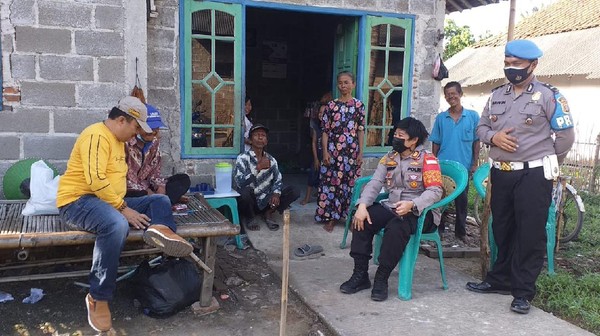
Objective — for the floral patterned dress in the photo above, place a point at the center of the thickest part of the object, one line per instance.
(341, 122)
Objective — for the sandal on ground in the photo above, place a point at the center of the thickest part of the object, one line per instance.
(272, 225)
(307, 250)
(253, 225)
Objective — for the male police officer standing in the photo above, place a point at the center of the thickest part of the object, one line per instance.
(518, 122)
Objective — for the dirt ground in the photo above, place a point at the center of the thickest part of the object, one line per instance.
(250, 306)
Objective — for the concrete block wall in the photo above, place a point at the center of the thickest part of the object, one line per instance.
(64, 65)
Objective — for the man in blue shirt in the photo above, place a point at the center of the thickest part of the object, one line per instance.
(453, 138)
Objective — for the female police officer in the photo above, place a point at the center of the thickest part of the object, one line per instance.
(413, 179)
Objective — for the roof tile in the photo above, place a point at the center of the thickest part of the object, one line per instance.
(562, 16)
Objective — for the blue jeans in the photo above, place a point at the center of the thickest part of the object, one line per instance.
(94, 215)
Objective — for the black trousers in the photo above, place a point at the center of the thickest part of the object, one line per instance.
(461, 203)
(248, 207)
(519, 203)
(177, 185)
(397, 231)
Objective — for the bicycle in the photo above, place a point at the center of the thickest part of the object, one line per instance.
(570, 210)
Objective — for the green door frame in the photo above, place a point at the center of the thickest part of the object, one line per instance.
(365, 20)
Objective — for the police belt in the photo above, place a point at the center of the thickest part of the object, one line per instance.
(510, 166)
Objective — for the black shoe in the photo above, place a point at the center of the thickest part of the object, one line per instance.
(379, 291)
(462, 239)
(520, 305)
(358, 281)
(486, 288)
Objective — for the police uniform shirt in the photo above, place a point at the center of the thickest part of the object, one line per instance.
(535, 115)
(415, 178)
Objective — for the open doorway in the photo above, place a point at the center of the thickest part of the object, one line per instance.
(289, 63)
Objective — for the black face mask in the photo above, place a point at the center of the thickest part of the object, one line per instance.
(398, 145)
(515, 75)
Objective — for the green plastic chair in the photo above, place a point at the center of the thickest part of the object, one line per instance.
(478, 180)
(450, 169)
(359, 184)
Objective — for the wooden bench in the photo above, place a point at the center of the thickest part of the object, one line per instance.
(20, 232)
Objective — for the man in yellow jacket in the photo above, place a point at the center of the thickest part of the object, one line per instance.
(91, 197)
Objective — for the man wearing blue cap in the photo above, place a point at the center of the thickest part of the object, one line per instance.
(144, 162)
(529, 127)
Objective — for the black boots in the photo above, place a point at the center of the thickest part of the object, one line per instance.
(359, 279)
(380, 284)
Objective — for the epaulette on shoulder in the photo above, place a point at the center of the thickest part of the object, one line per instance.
(551, 87)
(388, 155)
(498, 87)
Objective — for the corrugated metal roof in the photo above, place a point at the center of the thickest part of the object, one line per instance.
(569, 42)
(570, 53)
(460, 5)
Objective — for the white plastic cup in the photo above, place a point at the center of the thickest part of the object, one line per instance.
(223, 171)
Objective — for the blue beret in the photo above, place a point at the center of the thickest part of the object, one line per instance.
(523, 49)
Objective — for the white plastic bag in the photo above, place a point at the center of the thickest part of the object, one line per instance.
(43, 187)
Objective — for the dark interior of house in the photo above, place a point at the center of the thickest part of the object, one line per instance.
(289, 62)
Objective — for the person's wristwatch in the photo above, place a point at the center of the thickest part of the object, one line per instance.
(414, 208)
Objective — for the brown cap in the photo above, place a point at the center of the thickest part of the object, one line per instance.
(135, 108)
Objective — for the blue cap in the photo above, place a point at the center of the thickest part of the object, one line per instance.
(154, 120)
(523, 49)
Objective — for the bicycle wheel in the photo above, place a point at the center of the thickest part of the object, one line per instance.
(571, 213)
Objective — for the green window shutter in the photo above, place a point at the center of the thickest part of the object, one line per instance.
(212, 85)
(345, 50)
(386, 78)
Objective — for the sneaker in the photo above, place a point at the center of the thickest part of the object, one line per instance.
(98, 314)
(163, 238)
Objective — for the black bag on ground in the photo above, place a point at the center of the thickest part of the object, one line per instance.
(165, 289)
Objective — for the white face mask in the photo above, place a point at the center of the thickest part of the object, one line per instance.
(139, 137)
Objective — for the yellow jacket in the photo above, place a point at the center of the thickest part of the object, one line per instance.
(96, 166)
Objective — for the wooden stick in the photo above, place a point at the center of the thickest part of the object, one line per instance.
(483, 230)
(200, 262)
(285, 271)
(56, 275)
(59, 261)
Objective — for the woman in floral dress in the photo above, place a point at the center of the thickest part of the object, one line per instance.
(343, 125)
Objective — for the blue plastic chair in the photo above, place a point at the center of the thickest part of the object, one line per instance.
(479, 181)
(450, 169)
